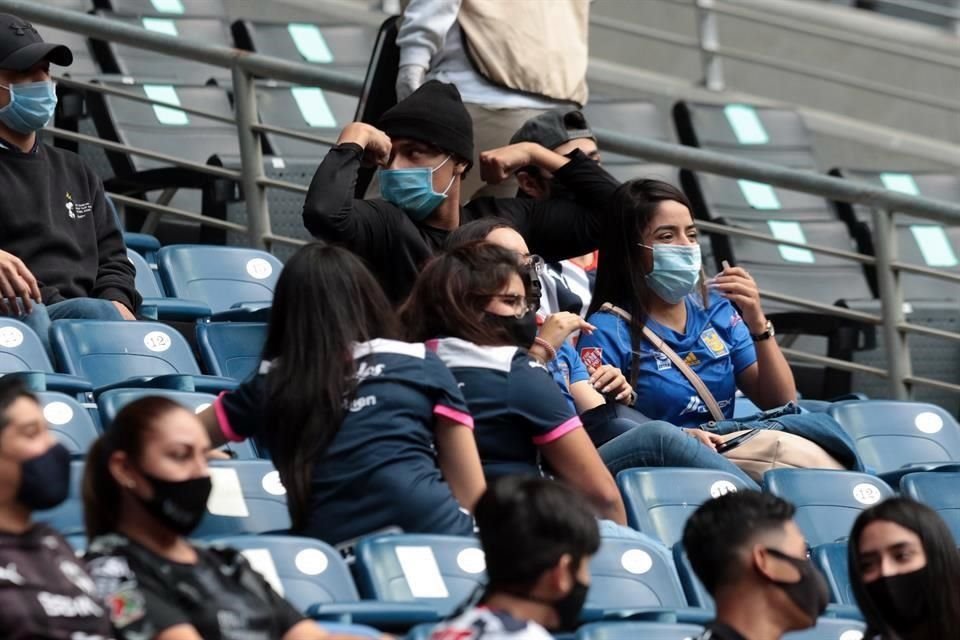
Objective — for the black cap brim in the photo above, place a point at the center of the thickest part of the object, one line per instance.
(26, 57)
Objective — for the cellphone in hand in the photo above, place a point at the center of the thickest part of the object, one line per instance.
(733, 443)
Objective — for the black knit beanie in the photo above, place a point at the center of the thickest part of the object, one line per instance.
(435, 114)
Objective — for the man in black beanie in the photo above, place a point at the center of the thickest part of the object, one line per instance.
(423, 146)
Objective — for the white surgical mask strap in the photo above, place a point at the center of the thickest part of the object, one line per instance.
(446, 160)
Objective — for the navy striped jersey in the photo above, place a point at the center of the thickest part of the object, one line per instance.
(515, 403)
(380, 470)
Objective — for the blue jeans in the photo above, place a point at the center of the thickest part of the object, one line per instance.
(74, 309)
(661, 444)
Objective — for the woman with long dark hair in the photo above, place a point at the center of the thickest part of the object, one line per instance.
(145, 488)
(367, 432)
(651, 271)
(905, 572)
(472, 304)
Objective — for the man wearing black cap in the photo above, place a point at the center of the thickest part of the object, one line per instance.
(59, 242)
(423, 146)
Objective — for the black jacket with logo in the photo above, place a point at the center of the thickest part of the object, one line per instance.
(53, 216)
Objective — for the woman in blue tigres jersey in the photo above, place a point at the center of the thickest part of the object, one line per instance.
(650, 267)
(367, 431)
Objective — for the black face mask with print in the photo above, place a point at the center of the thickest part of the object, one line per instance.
(521, 330)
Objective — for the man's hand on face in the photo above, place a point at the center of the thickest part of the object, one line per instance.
(375, 143)
(16, 283)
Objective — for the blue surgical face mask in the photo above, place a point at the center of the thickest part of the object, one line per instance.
(31, 105)
(412, 190)
(676, 270)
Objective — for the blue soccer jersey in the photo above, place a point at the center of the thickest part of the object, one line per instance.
(567, 369)
(716, 345)
(380, 470)
(516, 405)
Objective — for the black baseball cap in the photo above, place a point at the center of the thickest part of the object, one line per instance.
(553, 128)
(21, 46)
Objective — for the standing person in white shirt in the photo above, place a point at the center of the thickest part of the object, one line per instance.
(494, 54)
(538, 536)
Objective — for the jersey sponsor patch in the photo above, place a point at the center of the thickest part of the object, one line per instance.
(663, 362)
(735, 319)
(712, 340)
(592, 356)
(126, 607)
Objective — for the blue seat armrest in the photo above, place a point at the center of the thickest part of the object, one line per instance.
(244, 312)
(62, 382)
(175, 309)
(893, 478)
(844, 611)
(174, 381)
(360, 630)
(214, 384)
(375, 613)
(678, 615)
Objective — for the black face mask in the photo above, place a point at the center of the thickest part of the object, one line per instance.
(521, 330)
(180, 506)
(810, 593)
(901, 599)
(45, 479)
(568, 607)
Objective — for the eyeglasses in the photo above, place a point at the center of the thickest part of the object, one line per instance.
(521, 305)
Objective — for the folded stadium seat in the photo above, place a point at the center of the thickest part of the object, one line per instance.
(231, 349)
(763, 134)
(437, 571)
(895, 438)
(22, 353)
(247, 498)
(172, 8)
(659, 500)
(343, 47)
(84, 65)
(939, 491)
(633, 118)
(929, 301)
(638, 630)
(308, 110)
(236, 283)
(111, 402)
(155, 304)
(139, 63)
(832, 560)
(72, 424)
(827, 502)
(315, 579)
(67, 517)
(130, 354)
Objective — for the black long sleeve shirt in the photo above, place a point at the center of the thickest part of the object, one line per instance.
(396, 248)
(53, 216)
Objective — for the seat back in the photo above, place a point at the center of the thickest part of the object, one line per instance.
(231, 349)
(891, 434)
(218, 276)
(107, 352)
(310, 110)
(638, 631)
(434, 570)
(827, 502)
(659, 501)
(145, 280)
(697, 594)
(247, 497)
(343, 47)
(181, 8)
(632, 573)
(939, 491)
(111, 402)
(72, 425)
(67, 517)
(305, 571)
(832, 560)
(21, 349)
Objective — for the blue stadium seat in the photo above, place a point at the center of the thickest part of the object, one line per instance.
(247, 498)
(637, 631)
(21, 352)
(659, 500)
(827, 501)
(696, 593)
(231, 349)
(69, 421)
(110, 403)
(832, 560)
(830, 629)
(939, 491)
(142, 243)
(67, 517)
(225, 278)
(637, 576)
(890, 436)
(130, 354)
(314, 578)
(434, 570)
(156, 305)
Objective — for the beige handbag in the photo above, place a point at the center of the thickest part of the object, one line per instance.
(769, 448)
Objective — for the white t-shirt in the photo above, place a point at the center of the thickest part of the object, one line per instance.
(482, 623)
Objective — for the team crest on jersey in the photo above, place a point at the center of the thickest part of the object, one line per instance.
(126, 607)
(714, 343)
(592, 356)
(692, 360)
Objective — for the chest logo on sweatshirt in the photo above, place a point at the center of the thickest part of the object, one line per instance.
(76, 210)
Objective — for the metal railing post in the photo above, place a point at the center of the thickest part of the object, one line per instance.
(251, 157)
(891, 304)
(709, 39)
